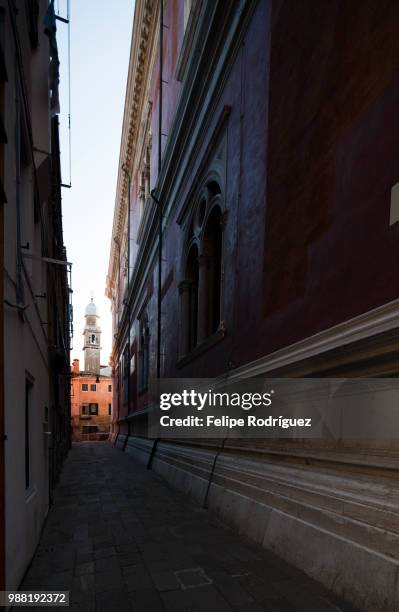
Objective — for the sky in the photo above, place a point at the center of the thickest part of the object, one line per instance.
(100, 44)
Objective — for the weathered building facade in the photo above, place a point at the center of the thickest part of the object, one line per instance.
(36, 323)
(267, 131)
(91, 404)
(91, 388)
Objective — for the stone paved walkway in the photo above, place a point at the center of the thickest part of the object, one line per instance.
(119, 538)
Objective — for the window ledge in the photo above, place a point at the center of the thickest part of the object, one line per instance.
(207, 344)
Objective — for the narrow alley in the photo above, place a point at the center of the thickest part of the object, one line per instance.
(119, 538)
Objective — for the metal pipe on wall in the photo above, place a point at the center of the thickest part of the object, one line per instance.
(159, 203)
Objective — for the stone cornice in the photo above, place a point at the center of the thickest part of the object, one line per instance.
(145, 19)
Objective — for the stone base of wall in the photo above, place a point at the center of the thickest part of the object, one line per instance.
(336, 517)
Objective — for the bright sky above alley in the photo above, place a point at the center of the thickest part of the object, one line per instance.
(100, 45)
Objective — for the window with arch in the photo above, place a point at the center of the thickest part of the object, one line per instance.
(201, 285)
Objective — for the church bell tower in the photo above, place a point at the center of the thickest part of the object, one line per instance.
(92, 340)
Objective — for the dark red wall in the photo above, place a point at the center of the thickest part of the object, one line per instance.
(312, 154)
(333, 150)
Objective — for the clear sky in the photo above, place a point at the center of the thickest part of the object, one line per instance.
(100, 46)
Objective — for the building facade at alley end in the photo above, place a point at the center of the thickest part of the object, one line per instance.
(35, 288)
(91, 388)
(262, 138)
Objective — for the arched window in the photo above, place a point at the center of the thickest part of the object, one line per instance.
(201, 285)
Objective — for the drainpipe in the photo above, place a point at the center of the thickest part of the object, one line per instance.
(159, 174)
(2, 423)
(160, 216)
(129, 182)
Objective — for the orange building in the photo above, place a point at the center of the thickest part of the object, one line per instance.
(91, 388)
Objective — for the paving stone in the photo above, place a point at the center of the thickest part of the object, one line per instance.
(301, 598)
(87, 606)
(102, 542)
(146, 600)
(107, 564)
(259, 589)
(178, 600)
(137, 577)
(60, 581)
(83, 557)
(107, 581)
(251, 607)
(104, 552)
(84, 568)
(83, 589)
(165, 581)
(233, 592)
(113, 600)
(208, 599)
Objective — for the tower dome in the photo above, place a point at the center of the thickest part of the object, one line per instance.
(91, 309)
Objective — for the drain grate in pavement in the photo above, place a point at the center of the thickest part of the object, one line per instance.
(192, 578)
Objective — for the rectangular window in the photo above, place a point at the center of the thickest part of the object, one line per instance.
(93, 409)
(93, 387)
(85, 387)
(109, 409)
(109, 388)
(84, 409)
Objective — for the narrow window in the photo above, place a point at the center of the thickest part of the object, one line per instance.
(109, 388)
(109, 409)
(93, 387)
(85, 387)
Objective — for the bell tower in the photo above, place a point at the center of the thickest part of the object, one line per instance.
(92, 339)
